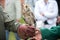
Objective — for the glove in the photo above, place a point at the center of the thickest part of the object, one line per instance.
(26, 31)
(37, 35)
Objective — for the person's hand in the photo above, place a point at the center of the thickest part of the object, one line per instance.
(58, 19)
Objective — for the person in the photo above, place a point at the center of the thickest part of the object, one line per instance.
(2, 28)
(11, 12)
(26, 31)
(46, 12)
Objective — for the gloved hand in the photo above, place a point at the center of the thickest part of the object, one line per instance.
(37, 35)
(26, 31)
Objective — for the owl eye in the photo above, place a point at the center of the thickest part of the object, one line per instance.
(26, 6)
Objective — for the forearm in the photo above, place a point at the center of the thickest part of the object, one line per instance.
(12, 26)
(50, 14)
(15, 27)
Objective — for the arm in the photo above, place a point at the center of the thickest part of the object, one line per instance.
(36, 11)
(53, 11)
(14, 24)
(52, 33)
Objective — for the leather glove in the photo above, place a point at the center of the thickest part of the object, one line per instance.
(37, 35)
(26, 31)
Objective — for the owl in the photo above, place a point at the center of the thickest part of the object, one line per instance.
(28, 15)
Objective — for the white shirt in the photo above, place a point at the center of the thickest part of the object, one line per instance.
(13, 9)
(50, 11)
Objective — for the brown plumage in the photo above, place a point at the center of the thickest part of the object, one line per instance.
(28, 14)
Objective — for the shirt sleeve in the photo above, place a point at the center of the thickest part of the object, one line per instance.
(50, 33)
(53, 11)
(36, 10)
